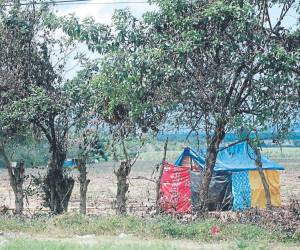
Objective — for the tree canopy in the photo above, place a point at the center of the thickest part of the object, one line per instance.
(218, 64)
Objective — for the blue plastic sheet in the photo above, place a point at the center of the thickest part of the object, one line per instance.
(191, 153)
(239, 157)
(241, 190)
(71, 163)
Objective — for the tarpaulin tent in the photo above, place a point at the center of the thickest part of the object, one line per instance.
(247, 187)
(236, 182)
(220, 194)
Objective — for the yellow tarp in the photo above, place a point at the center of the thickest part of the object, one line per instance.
(258, 198)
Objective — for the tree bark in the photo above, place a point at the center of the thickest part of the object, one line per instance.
(122, 186)
(57, 185)
(84, 182)
(258, 163)
(16, 179)
(211, 157)
(161, 170)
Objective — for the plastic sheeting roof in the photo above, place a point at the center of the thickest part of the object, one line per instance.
(239, 157)
(195, 157)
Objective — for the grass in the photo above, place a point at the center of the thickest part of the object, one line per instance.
(282, 153)
(68, 231)
(103, 244)
(163, 227)
(113, 244)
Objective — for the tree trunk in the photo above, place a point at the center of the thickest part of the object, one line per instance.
(262, 175)
(16, 179)
(57, 185)
(122, 186)
(211, 157)
(84, 182)
(161, 170)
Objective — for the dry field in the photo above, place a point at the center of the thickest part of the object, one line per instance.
(102, 188)
(101, 191)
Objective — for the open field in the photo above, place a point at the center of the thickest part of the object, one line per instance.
(103, 230)
(102, 188)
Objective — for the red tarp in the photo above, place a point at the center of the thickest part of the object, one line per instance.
(175, 188)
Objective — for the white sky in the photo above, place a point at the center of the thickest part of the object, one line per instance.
(103, 12)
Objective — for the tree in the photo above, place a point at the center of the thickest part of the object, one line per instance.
(86, 122)
(70, 109)
(16, 42)
(221, 62)
(125, 117)
(128, 109)
(226, 64)
(123, 171)
(16, 178)
(34, 91)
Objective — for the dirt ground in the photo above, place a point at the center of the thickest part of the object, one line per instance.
(102, 188)
(101, 191)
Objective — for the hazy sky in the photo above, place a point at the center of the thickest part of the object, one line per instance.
(103, 12)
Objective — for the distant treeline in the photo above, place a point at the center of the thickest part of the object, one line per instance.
(37, 153)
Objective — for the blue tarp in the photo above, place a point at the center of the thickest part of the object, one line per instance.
(195, 157)
(241, 190)
(71, 163)
(239, 157)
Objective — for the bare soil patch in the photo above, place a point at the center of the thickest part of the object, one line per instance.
(141, 197)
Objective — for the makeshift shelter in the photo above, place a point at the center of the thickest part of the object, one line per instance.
(236, 183)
